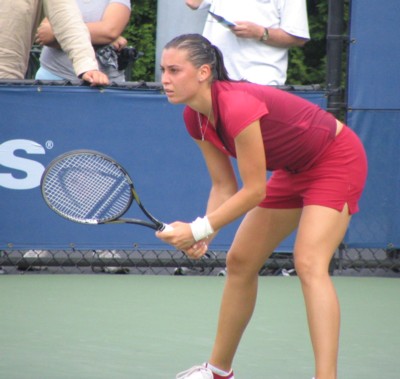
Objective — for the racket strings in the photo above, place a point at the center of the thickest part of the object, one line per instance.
(88, 188)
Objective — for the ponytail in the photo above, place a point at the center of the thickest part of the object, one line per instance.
(221, 72)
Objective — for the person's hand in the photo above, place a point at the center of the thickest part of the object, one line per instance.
(197, 250)
(95, 78)
(246, 29)
(181, 238)
(45, 35)
(119, 43)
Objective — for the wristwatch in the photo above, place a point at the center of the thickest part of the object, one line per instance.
(265, 35)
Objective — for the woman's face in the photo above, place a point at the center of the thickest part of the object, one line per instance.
(180, 79)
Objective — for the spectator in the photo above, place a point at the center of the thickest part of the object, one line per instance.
(18, 23)
(256, 49)
(319, 170)
(105, 20)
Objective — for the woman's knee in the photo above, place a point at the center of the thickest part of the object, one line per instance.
(303, 266)
(240, 264)
(309, 266)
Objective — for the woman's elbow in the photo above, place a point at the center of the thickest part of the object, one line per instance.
(257, 194)
(260, 196)
(112, 34)
(108, 33)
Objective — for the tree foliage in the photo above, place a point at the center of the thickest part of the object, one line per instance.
(308, 65)
(141, 34)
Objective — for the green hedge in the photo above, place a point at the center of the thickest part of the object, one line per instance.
(141, 34)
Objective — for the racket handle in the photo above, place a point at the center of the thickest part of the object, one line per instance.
(166, 228)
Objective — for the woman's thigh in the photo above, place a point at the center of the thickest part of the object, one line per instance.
(259, 234)
(321, 230)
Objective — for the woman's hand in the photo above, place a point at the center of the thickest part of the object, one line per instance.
(181, 238)
(197, 250)
(45, 35)
(119, 43)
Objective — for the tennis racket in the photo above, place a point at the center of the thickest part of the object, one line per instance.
(89, 187)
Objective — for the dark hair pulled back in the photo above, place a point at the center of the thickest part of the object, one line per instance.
(201, 51)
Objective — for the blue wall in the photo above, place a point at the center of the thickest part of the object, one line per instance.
(374, 113)
(139, 128)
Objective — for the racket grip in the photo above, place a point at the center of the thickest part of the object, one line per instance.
(166, 228)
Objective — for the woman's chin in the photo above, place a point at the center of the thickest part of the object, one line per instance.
(173, 100)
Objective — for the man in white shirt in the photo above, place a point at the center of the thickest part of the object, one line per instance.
(256, 48)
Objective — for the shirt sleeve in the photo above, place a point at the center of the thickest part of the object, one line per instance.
(72, 34)
(127, 3)
(239, 109)
(294, 19)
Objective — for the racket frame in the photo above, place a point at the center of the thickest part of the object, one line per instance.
(154, 223)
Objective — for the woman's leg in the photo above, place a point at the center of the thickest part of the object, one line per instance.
(320, 232)
(259, 234)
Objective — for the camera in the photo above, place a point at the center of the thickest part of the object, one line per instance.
(127, 55)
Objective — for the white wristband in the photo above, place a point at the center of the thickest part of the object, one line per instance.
(201, 228)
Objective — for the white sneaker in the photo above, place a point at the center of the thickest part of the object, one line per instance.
(202, 372)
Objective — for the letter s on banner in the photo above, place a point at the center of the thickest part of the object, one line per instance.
(33, 170)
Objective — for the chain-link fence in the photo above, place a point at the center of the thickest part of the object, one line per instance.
(346, 261)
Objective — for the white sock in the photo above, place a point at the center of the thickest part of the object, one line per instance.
(218, 371)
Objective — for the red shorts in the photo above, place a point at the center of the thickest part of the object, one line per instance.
(336, 178)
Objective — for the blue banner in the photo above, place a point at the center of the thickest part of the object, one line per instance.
(138, 128)
(374, 113)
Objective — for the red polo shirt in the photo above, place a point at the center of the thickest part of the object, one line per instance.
(295, 131)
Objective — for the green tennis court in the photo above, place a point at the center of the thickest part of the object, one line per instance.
(150, 327)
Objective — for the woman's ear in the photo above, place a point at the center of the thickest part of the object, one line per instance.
(204, 73)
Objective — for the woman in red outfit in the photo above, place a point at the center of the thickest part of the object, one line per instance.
(319, 170)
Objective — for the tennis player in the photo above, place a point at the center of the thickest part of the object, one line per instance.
(319, 170)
